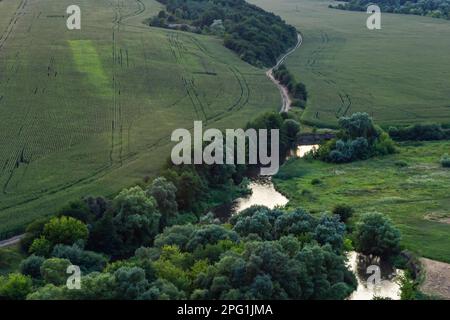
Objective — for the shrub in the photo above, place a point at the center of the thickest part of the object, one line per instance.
(41, 247)
(445, 161)
(65, 230)
(376, 235)
(54, 270)
(344, 211)
(15, 286)
(417, 132)
(31, 266)
(401, 163)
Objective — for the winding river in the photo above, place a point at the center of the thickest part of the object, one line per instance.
(265, 194)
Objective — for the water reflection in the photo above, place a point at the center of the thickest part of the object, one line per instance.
(263, 193)
(366, 290)
(301, 151)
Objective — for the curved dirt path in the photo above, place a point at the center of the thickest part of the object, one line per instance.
(286, 100)
(11, 241)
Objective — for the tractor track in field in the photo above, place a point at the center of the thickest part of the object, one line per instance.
(9, 31)
(118, 20)
(344, 98)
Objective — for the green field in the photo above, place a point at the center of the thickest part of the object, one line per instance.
(91, 111)
(399, 74)
(411, 187)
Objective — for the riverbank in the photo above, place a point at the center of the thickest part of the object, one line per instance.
(407, 186)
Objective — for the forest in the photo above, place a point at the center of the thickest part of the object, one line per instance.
(257, 36)
(429, 8)
(158, 240)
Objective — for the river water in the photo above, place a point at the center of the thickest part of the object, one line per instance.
(367, 288)
(265, 194)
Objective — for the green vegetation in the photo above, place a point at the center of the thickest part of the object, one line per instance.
(297, 90)
(260, 254)
(398, 75)
(15, 286)
(358, 139)
(414, 196)
(376, 236)
(10, 258)
(445, 161)
(97, 113)
(257, 36)
(429, 8)
(419, 132)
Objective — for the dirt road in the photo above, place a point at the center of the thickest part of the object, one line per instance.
(11, 241)
(286, 100)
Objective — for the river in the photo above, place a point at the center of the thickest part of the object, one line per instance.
(265, 194)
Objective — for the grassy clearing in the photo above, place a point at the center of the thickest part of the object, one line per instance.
(408, 186)
(399, 74)
(91, 111)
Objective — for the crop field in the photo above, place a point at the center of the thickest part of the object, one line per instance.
(411, 187)
(91, 111)
(399, 74)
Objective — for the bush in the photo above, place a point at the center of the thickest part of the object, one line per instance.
(65, 230)
(344, 211)
(88, 261)
(31, 266)
(15, 286)
(401, 163)
(376, 235)
(359, 139)
(418, 132)
(40, 247)
(445, 161)
(54, 270)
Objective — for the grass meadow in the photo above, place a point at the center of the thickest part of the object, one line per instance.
(399, 74)
(411, 187)
(91, 111)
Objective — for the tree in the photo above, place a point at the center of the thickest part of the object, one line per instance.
(359, 124)
(344, 212)
(88, 261)
(137, 219)
(41, 247)
(330, 231)
(376, 235)
(291, 129)
(65, 230)
(130, 283)
(164, 192)
(54, 271)
(31, 266)
(15, 286)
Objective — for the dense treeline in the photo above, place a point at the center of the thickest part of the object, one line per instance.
(261, 254)
(259, 37)
(358, 139)
(296, 89)
(154, 241)
(430, 8)
(419, 132)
